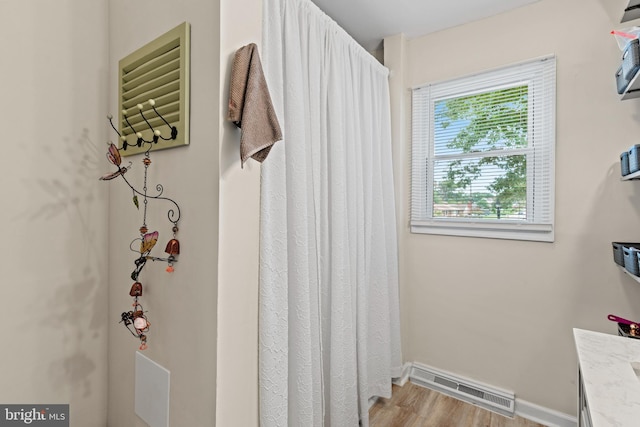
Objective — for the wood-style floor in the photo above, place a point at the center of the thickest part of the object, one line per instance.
(415, 406)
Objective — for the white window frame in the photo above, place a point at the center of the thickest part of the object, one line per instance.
(540, 75)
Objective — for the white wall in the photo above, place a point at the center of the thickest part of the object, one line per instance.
(502, 312)
(53, 314)
(182, 306)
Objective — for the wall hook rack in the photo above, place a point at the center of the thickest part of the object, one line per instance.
(157, 134)
(135, 320)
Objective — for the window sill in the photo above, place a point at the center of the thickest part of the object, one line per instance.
(489, 230)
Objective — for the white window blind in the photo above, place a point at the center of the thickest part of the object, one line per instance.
(483, 149)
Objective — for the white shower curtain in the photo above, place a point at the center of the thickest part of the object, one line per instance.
(329, 315)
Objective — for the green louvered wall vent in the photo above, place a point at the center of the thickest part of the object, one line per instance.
(158, 71)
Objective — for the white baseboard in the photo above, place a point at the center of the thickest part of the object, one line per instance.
(542, 415)
(465, 389)
(404, 377)
(524, 409)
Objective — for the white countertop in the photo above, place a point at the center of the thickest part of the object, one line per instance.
(610, 383)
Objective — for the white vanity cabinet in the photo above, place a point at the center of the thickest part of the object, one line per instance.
(608, 379)
(584, 418)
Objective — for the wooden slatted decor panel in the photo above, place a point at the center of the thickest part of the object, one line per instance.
(158, 71)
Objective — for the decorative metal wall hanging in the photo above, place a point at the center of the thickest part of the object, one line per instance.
(135, 320)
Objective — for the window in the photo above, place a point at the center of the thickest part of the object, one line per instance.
(483, 154)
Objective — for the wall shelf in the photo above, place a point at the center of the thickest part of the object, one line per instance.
(632, 11)
(633, 89)
(636, 278)
(631, 176)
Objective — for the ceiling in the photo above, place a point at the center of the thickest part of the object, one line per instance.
(369, 21)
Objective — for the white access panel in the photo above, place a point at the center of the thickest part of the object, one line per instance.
(152, 392)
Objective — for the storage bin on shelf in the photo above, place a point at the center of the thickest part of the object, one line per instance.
(624, 163)
(618, 255)
(621, 82)
(634, 158)
(629, 67)
(630, 59)
(631, 258)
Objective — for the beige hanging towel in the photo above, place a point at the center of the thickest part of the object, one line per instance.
(250, 106)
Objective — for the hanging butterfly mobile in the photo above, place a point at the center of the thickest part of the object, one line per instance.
(135, 320)
(114, 157)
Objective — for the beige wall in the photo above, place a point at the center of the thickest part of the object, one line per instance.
(215, 284)
(394, 58)
(502, 312)
(182, 306)
(237, 403)
(53, 315)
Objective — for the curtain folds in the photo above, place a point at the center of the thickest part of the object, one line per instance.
(329, 314)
